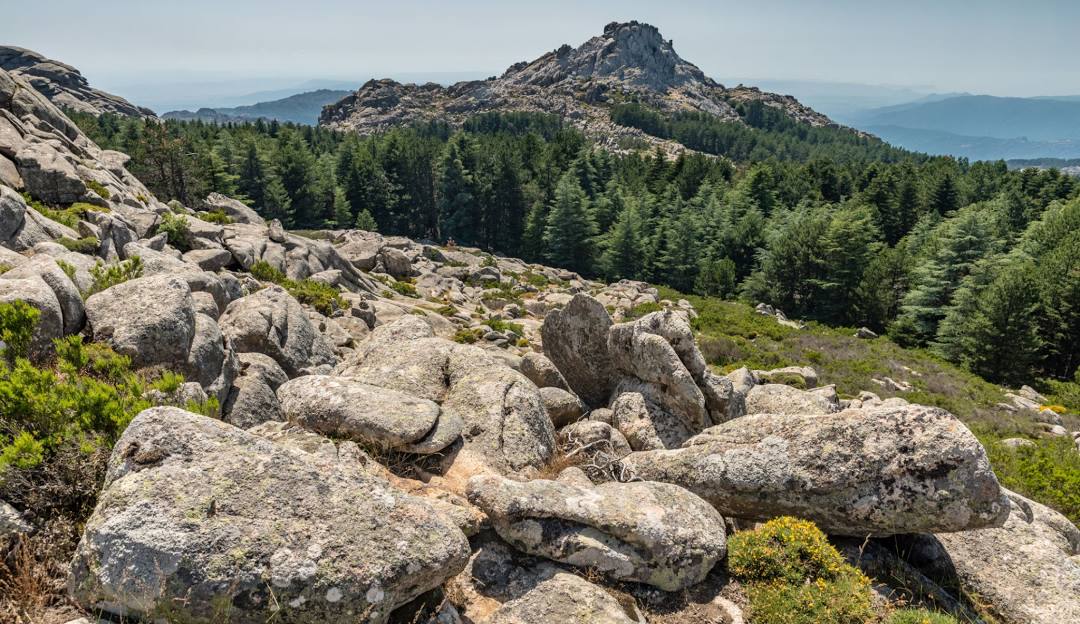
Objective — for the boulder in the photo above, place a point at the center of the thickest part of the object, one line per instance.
(252, 399)
(394, 262)
(235, 209)
(67, 293)
(209, 259)
(1025, 572)
(199, 519)
(576, 341)
(211, 362)
(542, 372)
(645, 350)
(562, 406)
(48, 175)
(880, 471)
(721, 399)
(149, 319)
(799, 376)
(11, 524)
(344, 407)
(271, 322)
(12, 214)
(643, 421)
(782, 399)
(50, 324)
(564, 598)
(505, 423)
(654, 533)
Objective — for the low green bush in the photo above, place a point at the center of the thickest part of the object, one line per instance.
(795, 576)
(1048, 471)
(17, 322)
(216, 216)
(323, 297)
(177, 230)
(405, 288)
(642, 309)
(107, 275)
(86, 245)
(98, 188)
(500, 325)
(88, 398)
(468, 336)
(919, 616)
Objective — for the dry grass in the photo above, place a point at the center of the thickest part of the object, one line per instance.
(56, 498)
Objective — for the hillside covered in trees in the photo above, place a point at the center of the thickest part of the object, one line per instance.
(978, 263)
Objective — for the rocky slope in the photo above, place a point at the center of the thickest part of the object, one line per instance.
(628, 62)
(459, 428)
(64, 85)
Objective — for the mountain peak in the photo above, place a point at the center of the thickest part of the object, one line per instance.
(631, 53)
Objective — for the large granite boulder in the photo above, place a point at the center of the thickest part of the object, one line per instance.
(576, 341)
(273, 323)
(654, 533)
(234, 209)
(149, 319)
(1026, 571)
(343, 407)
(882, 471)
(782, 399)
(199, 521)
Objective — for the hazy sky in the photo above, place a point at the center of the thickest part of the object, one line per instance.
(1012, 47)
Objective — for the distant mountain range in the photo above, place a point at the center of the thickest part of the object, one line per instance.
(301, 108)
(979, 127)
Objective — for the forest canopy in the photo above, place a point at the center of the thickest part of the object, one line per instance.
(971, 260)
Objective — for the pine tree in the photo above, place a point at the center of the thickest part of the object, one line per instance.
(252, 176)
(622, 256)
(343, 215)
(276, 201)
(945, 197)
(366, 222)
(568, 236)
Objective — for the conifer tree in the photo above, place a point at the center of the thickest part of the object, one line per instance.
(568, 236)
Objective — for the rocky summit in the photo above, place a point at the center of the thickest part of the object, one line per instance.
(342, 426)
(64, 85)
(629, 62)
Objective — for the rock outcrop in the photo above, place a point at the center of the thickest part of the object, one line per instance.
(64, 85)
(880, 471)
(629, 61)
(201, 521)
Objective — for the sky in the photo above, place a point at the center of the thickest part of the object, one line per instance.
(1016, 48)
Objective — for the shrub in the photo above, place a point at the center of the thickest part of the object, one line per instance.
(169, 382)
(447, 310)
(488, 261)
(177, 229)
(539, 280)
(919, 616)
(106, 276)
(90, 395)
(4, 268)
(843, 601)
(263, 271)
(785, 549)
(323, 297)
(796, 577)
(502, 326)
(642, 309)
(86, 245)
(68, 269)
(17, 322)
(1048, 472)
(98, 188)
(405, 288)
(468, 336)
(217, 216)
